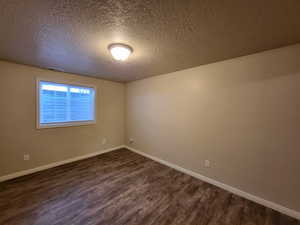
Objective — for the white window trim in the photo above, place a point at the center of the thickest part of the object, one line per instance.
(63, 124)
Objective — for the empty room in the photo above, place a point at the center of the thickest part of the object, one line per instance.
(140, 112)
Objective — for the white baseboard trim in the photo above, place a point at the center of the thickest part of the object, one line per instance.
(51, 165)
(251, 197)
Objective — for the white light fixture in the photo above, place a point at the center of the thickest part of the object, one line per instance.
(119, 51)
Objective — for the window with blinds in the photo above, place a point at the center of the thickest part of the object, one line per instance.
(65, 105)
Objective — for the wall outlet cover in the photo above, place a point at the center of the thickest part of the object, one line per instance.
(206, 163)
(26, 157)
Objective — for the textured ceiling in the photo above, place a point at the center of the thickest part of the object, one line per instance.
(167, 35)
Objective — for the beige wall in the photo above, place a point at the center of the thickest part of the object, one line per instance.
(18, 133)
(242, 114)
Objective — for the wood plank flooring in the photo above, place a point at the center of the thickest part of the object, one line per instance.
(124, 188)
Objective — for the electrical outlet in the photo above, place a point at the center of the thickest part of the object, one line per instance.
(206, 163)
(26, 157)
(104, 141)
(131, 141)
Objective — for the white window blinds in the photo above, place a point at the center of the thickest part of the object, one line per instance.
(63, 103)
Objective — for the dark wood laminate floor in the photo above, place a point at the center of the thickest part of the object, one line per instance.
(122, 188)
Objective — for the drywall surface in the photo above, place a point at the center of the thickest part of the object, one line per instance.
(18, 133)
(241, 114)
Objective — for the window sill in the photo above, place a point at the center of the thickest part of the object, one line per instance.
(67, 124)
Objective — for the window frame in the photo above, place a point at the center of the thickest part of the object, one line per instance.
(63, 124)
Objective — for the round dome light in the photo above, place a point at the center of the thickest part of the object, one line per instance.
(119, 51)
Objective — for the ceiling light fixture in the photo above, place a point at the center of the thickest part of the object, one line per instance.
(120, 51)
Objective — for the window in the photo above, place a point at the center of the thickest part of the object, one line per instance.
(65, 105)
